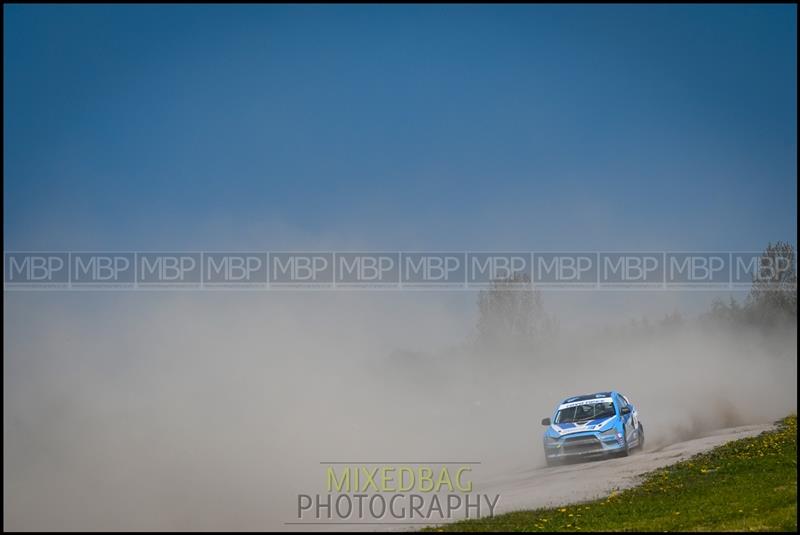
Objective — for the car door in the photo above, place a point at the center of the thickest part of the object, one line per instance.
(629, 420)
(633, 430)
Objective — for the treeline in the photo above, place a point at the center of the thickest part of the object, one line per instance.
(510, 320)
(772, 300)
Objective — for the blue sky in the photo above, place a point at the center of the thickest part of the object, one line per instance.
(399, 127)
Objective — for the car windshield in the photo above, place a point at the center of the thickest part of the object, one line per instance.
(586, 412)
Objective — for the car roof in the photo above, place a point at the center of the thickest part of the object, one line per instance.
(584, 397)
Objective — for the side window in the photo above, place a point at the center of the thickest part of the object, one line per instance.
(622, 402)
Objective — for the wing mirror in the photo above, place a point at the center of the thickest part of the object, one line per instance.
(625, 410)
(545, 421)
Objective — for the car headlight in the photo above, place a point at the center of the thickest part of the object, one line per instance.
(550, 440)
(609, 433)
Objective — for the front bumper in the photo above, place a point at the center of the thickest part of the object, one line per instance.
(583, 445)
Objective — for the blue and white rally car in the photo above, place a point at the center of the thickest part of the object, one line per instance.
(605, 423)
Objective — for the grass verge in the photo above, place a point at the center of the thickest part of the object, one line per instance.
(745, 485)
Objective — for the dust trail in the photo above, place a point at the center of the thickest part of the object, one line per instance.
(213, 410)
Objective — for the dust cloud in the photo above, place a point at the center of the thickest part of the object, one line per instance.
(213, 410)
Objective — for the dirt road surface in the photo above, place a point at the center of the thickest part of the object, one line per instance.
(559, 485)
(532, 488)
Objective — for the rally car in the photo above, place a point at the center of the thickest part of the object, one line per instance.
(605, 423)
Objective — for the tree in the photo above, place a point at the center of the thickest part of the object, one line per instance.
(721, 312)
(672, 320)
(511, 315)
(773, 296)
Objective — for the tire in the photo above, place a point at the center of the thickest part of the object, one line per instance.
(640, 446)
(627, 449)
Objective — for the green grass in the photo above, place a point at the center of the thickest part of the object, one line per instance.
(745, 485)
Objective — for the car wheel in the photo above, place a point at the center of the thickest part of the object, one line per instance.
(552, 462)
(626, 450)
(641, 437)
